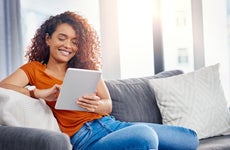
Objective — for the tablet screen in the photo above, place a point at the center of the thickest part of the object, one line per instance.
(77, 82)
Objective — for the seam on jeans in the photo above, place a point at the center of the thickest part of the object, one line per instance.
(81, 147)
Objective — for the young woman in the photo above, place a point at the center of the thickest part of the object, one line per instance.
(67, 40)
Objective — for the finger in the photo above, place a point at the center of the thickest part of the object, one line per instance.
(85, 101)
(88, 107)
(92, 97)
(88, 102)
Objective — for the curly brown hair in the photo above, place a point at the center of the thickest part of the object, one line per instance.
(88, 55)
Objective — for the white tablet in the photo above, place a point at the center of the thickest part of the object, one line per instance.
(77, 82)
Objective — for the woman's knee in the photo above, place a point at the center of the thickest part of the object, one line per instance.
(192, 139)
(145, 136)
(179, 139)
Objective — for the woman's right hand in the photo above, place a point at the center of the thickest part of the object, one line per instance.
(49, 94)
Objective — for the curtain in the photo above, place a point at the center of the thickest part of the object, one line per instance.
(11, 53)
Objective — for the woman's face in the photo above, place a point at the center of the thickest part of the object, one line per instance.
(63, 43)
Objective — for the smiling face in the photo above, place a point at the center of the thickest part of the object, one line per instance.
(63, 43)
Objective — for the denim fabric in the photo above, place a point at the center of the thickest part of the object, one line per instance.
(108, 133)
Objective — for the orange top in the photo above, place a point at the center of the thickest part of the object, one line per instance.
(69, 121)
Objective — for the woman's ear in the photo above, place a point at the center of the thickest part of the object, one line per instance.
(47, 39)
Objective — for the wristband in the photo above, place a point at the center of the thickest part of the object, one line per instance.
(31, 91)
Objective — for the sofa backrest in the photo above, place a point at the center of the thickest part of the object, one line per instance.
(133, 100)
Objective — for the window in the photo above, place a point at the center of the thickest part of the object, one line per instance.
(177, 35)
(179, 32)
(135, 38)
(192, 34)
(216, 39)
(127, 39)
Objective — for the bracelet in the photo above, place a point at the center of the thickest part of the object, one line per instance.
(32, 94)
(31, 90)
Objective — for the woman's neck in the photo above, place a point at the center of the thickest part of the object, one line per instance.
(56, 70)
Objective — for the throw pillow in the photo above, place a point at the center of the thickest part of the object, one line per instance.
(133, 100)
(194, 100)
(17, 109)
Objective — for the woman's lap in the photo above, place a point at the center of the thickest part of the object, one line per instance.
(107, 132)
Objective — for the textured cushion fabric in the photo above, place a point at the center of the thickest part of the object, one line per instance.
(19, 138)
(194, 100)
(133, 100)
(17, 109)
(215, 143)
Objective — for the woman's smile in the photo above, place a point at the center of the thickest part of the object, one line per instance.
(63, 43)
(64, 52)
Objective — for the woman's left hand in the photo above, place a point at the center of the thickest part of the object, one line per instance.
(89, 102)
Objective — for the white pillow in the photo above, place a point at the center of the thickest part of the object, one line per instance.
(17, 109)
(194, 100)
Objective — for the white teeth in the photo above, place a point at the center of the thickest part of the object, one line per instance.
(65, 53)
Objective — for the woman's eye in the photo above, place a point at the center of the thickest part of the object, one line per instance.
(61, 38)
(75, 43)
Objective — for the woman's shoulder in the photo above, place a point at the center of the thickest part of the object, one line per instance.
(33, 65)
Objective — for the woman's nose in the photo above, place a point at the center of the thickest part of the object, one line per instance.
(68, 44)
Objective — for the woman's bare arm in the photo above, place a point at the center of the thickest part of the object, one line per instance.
(16, 81)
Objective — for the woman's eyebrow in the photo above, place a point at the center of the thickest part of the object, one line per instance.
(62, 34)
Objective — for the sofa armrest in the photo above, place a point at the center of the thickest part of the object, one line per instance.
(20, 138)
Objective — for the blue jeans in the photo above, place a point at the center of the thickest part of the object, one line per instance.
(108, 133)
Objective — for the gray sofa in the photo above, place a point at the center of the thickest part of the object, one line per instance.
(132, 99)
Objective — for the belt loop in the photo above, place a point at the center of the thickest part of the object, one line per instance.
(87, 125)
(101, 122)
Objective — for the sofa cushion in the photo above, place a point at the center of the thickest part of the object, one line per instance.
(194, 100)
(133, 99)
(215, 143)
(17, 109)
